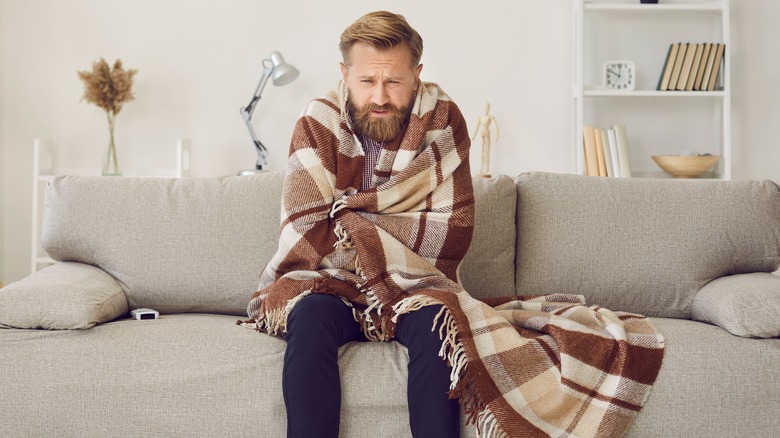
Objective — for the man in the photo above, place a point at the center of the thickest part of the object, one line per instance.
(377, 205)
(377, 214)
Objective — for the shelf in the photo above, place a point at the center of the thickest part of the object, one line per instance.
(626, 29)
(713, 6)
(600, 92)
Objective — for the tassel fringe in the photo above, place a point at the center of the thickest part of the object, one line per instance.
(488, 427)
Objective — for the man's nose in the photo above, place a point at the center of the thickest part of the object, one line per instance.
(380, 96)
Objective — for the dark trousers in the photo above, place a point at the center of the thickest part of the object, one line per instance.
(317, 326)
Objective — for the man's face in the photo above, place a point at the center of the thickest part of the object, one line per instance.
(381, 85)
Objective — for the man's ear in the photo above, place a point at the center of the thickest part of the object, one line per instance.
(417, 71)
(344, 71)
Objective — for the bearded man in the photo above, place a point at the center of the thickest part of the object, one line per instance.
(378, 169)
(377, 215)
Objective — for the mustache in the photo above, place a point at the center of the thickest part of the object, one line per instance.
(374, 107)
(378, 128)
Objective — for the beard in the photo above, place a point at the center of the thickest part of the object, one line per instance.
(379, 129)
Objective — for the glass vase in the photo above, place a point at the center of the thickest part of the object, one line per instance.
(110, 162)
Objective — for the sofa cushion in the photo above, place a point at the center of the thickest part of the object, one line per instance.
(60, 297)
(180, 375)
(197, 245)
(712, 384)
(745, 304)
(488, 268)
(642, 245)
(175, 245)
(193, 375)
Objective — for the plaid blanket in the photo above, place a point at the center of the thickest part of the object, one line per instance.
(521, 366)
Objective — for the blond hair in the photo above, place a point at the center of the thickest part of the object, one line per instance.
(382, 30)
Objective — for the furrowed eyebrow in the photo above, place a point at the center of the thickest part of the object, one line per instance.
(386, 79)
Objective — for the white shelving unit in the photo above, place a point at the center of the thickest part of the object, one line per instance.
(44, 168)
(658, 122)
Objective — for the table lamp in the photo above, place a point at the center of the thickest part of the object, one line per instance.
(281, 73)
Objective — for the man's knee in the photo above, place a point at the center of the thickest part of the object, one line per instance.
(313, 311)
(319, 317)
(417, 327)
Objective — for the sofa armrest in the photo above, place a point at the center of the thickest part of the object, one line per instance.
(744, 304)
(62, 296)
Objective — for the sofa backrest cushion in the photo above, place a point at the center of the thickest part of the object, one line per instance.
(175, 245)
(639, 244)
(488, 268)
(197, 245)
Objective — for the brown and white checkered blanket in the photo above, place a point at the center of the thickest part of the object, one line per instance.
(521, 366)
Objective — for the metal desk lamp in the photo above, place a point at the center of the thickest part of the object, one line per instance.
(281, 73)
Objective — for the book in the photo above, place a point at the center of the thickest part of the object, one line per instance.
(685, 70)
(702, 65)
(607, 152)
(602, 165)
(694, 70)
(613, 151)
(622, 149)
(705, 82)
(666, 70)
(678, 63)
(591, 167)
(716, 67)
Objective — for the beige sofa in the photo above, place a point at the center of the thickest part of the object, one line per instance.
(697, 256)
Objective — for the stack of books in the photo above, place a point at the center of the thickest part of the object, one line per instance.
(606, 151)
(691, 67)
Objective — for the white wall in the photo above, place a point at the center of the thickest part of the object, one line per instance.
(200, 60)
(2, 220)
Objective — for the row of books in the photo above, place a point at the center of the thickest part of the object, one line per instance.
(606, 151)
(691, 67)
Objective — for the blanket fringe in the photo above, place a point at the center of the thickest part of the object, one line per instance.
(274, 322)
(338, 205)
(412, 303)
(488, 427)
(451, 348)
(344, 241)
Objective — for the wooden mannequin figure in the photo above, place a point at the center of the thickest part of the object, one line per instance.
(485, 122)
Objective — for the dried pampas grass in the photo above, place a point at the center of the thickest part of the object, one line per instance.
(109, 89)
(106, 87)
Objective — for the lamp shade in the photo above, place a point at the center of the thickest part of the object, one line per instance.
(283, 73)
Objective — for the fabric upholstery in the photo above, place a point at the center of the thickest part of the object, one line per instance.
(712, 384)
(220, 246)
(198, 374)
(62, 296)
(201, 375)
(488, 268)
(641, 245)
(175, 245)
(221, 379)
(744, 304)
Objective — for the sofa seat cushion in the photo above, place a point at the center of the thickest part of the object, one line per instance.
(60, 297)
(181, 375)
(711, 384)
(639, 244)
